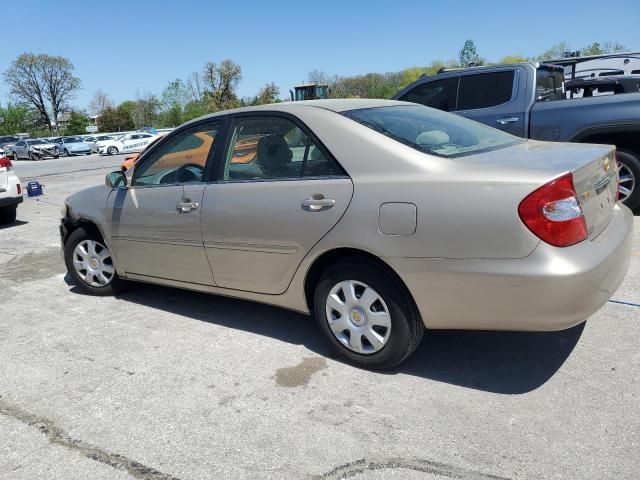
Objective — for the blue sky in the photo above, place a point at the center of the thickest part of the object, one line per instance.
(124, 47)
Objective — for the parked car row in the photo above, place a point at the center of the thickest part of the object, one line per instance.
(39, 148)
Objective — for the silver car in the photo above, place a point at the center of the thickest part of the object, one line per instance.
(73, 146)
(380, 218)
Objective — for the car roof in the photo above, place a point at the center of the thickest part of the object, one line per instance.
(334, 105)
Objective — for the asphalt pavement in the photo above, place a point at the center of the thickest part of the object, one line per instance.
(160, 383)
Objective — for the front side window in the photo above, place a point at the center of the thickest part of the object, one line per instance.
(180, 159)
(484, 90)
(272, 148)
(431, 131)
(440, 94)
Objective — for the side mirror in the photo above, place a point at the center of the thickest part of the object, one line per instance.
(116, 179)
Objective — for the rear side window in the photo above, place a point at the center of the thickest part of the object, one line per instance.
(440, 94)
(485, 90)
(549, 85)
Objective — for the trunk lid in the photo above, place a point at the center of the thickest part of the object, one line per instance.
(3, 178)
(593, 167)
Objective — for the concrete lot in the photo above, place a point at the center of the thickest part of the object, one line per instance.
(167, 384)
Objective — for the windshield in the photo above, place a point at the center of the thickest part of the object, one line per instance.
(73, 140)
(35, 142)
(433, 131)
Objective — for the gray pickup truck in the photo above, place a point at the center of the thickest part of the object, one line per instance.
(529, 100)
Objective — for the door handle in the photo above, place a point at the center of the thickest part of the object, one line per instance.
(316, 204)
(187, 207)
(504, 121)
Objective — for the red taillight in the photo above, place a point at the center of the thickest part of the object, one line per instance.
(6, 163)
(553, 213)
(19, 188)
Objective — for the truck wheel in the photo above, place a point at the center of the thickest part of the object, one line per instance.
(629, 174)
(8, 214)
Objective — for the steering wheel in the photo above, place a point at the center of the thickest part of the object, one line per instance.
(184, 171)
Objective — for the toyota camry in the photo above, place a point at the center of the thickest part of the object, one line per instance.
(382, 219)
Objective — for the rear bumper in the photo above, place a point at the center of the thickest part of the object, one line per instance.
(10, 201)
(551, 289)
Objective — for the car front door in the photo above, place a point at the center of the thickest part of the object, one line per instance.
(492, 98)
(278, 193)
(155, 222)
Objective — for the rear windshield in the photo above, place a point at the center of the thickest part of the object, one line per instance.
(433, 131)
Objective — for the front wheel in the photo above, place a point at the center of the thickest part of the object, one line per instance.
(90, 263)
(112, 151)
(367, 316)
(628, 178)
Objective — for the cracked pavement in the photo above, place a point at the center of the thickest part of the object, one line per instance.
(160, 383)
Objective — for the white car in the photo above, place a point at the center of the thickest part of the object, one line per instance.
(131, 142)
(10, 191)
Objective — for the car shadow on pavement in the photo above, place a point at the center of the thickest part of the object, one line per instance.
(17, 223)
(499, 362)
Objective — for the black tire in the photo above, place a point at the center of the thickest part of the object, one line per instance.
(79, 235)
(66, 153)
(8, 214)
(56, 156)
(407, 327)
(112, 150)
(632, 162)
(15, 156)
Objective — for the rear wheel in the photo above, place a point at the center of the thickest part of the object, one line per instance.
(112, 151)
(90, 263)
(8, 214)
(368, 318)
(629, 176)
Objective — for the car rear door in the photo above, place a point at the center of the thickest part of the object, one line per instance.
(279, 191)
(155, 223)
(491, 97)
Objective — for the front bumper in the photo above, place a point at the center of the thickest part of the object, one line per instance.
(551, 289)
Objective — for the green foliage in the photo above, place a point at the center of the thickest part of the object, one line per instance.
(267, 94)
(468, 55)
(77, 124)
(117, 119)
(17, 119)
(558, 50)
(513, 59)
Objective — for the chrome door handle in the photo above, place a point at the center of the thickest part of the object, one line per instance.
(316, 204)
(504, 121)
(187, 207)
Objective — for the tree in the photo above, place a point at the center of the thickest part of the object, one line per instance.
(16, 119)
(27, 85)
(146, 110)
(556, 51)
(44, 81)
(77, 123)
(116, 119)
(613, 47)
(267, 94)
(468, 56)
(220, 83)
(513, 59)
(593, 49)
(100, 102)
